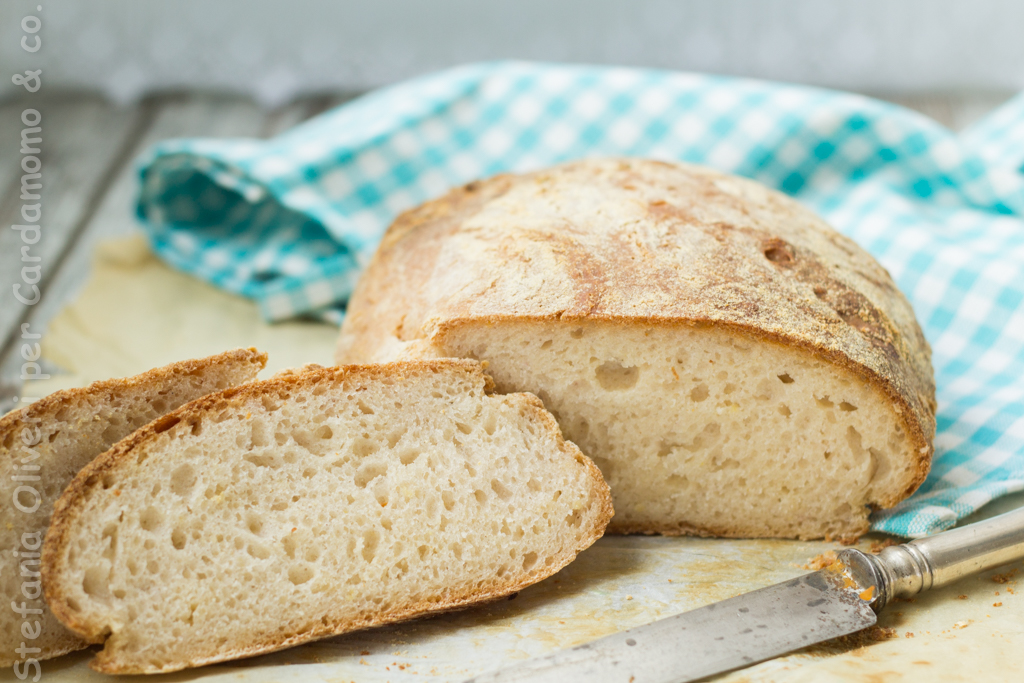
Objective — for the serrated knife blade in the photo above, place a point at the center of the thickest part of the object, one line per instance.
(718, 637)
(751, 628)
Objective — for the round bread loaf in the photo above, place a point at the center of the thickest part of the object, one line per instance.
(733, 365)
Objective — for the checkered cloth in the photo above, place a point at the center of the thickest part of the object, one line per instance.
(289, 222)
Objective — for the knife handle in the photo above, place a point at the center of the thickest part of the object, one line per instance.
(901, 571)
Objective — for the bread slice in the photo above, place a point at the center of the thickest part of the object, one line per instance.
(311, 505)
(45, 444)
(733, 365)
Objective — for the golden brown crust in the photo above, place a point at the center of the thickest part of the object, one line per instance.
(644, 243)
(53, 403)
(71, 502)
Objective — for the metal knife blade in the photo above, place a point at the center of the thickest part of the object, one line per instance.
(713, 639)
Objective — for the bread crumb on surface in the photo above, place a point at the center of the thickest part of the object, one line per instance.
(1006, 577)
(878, 546)
(821, 561)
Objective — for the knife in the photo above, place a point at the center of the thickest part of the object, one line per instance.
(751, 628)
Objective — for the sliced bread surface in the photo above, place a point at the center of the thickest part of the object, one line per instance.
(734, 365)
(313, 504)
(45, 444)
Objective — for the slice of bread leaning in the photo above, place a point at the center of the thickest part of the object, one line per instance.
(44, 445)
(733, 365)
(314, 504)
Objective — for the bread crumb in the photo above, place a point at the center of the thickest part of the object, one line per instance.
(962, 624)
(908, 634)
(365, 652)
(629, 597)
(878, 546)
(997, 604)
(1007, 577)
(961, 597)
(821, 561)
(364, 662)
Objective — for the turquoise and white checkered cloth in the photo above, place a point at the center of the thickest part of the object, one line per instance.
(290, 221)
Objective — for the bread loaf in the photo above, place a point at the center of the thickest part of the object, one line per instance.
(45, 444)
(313, 504)
(733, 365)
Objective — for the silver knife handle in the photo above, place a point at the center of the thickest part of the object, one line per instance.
(901, 571)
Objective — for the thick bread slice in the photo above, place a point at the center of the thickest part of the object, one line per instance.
(733, 365)
(311, 505)
(53, 439)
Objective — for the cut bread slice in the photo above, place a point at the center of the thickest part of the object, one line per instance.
(314, 504)
(42, 448)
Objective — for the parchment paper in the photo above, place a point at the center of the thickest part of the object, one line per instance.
(135, 313)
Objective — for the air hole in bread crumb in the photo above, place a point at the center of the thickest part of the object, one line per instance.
(178, 539)
(699, 393)
(371, 538)
(577, 333)
(448, 500)
(253, 522)
(408, 456)
(363, 408)
(151, 518)
(300, 574)
(546, 345)
(95, 582)
(784, 410)
(490, 423)
(613, 376)
(464, 428)
(529, 560)
(183, 479)
(368, 472)
(364, 447)
(258, 550)
(480, 496)
(786, 379)
(847, 407)
(824, 402)
(266, 460)
(501, 490)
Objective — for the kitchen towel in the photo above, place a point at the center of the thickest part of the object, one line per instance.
(289, 222)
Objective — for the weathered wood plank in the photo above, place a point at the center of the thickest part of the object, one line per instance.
(81, 138)
(113, 214)
(10, 154)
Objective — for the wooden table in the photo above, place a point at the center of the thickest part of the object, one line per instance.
(89, 180)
